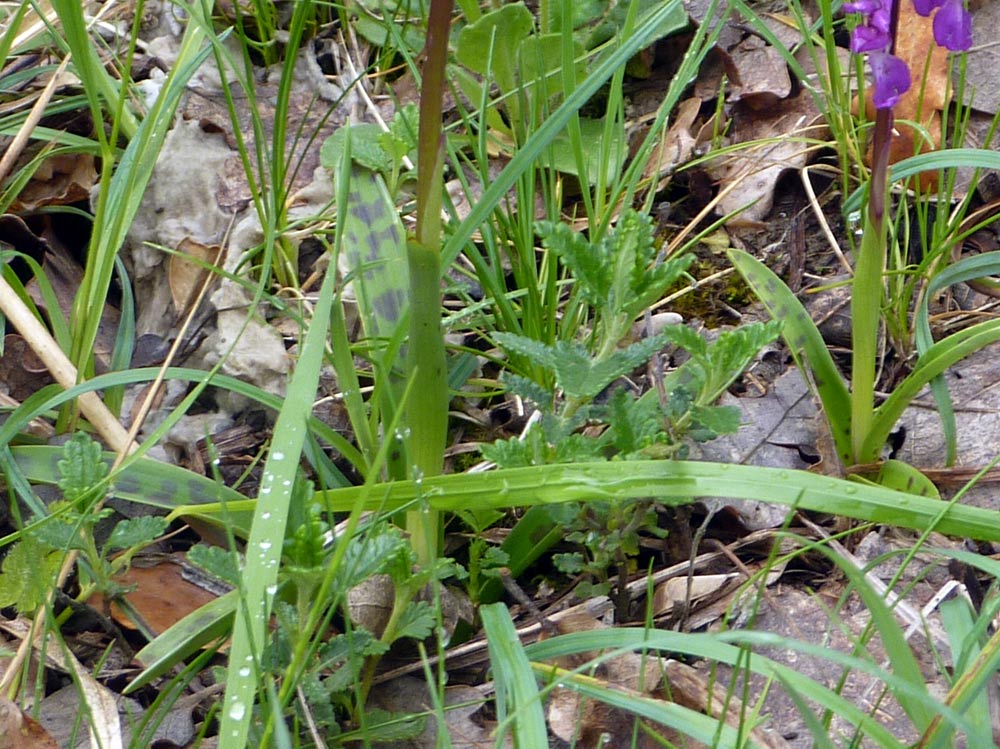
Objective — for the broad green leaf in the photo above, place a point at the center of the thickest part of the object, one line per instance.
(933, 362)
(490, 45)
(966, 269)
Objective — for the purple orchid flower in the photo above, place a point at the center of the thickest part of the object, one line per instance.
(890, 75)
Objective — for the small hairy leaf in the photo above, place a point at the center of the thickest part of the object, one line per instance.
(509, 453)
(28, 574)
(590, 265)
(136, 531)
(81, 468)
(633, 424)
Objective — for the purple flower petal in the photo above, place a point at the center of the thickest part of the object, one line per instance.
(880, 20)
(953, 26)
(924, 7)
(868, 39)
(862, 6)
(891, 78)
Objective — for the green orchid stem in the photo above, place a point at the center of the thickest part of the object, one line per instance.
(868, 290)
(427, 410)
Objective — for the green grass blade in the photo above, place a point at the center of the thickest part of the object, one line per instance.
(904, 664)
(120, 201)
(967, 269)
(267, 534)
(698, 726)
(806, 344)
(673, 483)
(518, 700)
(716, 649)
(933, 362)
(212, 621)
(958, 621)
(99, 86)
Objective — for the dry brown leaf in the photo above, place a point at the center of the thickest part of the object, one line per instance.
(19, 731)
(186, 276)
(680, 590)
(678, 144)
(60, 180)
(783, 135)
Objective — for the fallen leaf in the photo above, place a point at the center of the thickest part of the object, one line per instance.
(187, 271)
(160, 595)
(59, 180)
(19, 731)
(775, 141)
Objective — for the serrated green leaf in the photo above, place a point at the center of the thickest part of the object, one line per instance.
(368, 556)
(508, 453)
(588, 264)
(528, 390)
(575, 448)
(576, 371)
(136, 531)
(81, 468)
(709, 422)
(416, 621)
(216, 561)
(633, 423)
(366, 148)
(28, 574)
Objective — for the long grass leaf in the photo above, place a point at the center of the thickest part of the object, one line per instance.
(698, 726)
(966, 269)
(267, 534)
(674, 483)
(806, 344)
(933, 362)
(718, 650)
(518, 700)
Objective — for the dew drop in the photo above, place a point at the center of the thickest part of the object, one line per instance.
(265, 516)
(245, 671)
(264, 545)
(271, 589)
(237, 711)
(277, 455)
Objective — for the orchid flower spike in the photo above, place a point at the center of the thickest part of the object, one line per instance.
(890, 75)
